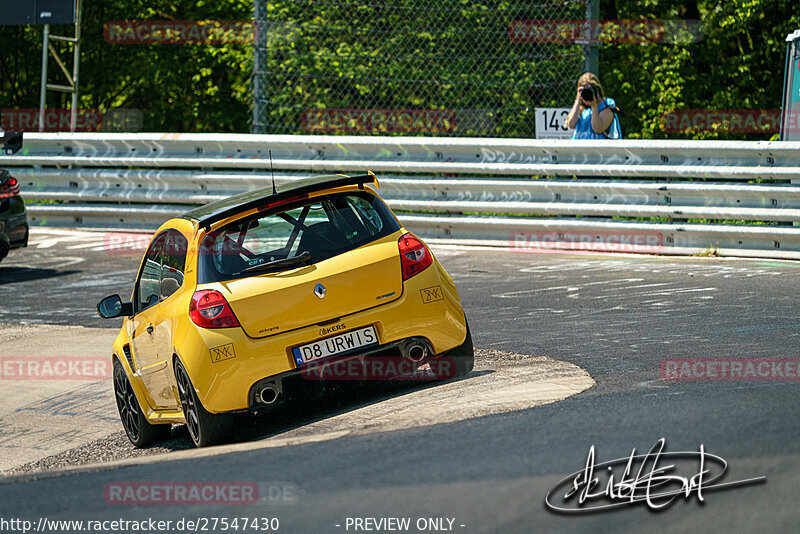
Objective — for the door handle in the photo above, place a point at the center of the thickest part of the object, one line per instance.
(150, 329)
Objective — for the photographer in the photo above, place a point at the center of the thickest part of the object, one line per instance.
(593, 116)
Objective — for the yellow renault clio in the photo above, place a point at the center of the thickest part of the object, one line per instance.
(253, 300)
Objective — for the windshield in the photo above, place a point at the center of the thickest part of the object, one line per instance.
(316, 230)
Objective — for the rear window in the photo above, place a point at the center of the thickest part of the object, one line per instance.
(306, 233)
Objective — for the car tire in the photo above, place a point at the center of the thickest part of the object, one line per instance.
(137, 427)
(3, 250)
(205, 428)
(463, 356)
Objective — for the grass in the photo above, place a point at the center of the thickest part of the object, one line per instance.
(709, 252)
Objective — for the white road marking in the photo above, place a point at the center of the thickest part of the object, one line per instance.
(522, 292)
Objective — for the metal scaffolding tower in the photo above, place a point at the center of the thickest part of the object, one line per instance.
(72, 79)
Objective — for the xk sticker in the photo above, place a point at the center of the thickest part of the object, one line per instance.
(431, 294)
(223, 352)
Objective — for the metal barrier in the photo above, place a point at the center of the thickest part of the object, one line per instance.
(738, 197)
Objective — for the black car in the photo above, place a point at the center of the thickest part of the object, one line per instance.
(13, 217)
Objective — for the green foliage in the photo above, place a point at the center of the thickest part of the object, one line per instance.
(179, 87)
(411, 54)
(738, 63)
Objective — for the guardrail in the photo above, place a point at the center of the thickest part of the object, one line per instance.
(740, 198)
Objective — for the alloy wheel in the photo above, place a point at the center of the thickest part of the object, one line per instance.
(127, 404)
(188, 403)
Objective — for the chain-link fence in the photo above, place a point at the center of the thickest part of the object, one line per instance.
(443, 67)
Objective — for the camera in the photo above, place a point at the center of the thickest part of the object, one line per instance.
(587, 93)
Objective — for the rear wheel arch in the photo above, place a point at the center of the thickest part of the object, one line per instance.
(205, 428)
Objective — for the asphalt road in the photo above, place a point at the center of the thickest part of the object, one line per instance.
(615, 317)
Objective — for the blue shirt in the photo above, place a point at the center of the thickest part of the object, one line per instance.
(583, 130)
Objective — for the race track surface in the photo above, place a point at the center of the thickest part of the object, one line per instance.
(488, 458)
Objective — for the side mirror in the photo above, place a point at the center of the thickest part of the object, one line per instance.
(112, 306)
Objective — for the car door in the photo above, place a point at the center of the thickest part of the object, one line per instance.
(151, 367)
(173, 263)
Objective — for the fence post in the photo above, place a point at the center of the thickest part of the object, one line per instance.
(43, 90)
(258, 86)
(591, 49)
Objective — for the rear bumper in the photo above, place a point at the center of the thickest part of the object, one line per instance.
(225, 364)
(388, 362)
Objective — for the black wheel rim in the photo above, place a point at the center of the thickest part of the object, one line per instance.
(127, 404)
(188, 403)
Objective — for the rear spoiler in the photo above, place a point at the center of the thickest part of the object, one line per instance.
(292, 189)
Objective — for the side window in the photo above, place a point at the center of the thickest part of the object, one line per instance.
(147, 288)
(369, 216)
(173, 263)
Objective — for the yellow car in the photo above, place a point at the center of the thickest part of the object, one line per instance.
(263, 297)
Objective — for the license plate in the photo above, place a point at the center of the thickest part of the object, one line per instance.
(335, 345)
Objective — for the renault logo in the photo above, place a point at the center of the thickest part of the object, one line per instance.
(319, 291)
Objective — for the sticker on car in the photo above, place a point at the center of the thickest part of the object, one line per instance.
(431, 294)
(221, 353)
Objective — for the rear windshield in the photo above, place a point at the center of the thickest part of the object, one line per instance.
(306, 233)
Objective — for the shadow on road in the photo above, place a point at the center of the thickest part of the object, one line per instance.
(12, 275)
(336, 400)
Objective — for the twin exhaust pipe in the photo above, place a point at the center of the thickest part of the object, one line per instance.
(414, 349)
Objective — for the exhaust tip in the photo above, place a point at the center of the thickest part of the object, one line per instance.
(269, 394)
(417, 352)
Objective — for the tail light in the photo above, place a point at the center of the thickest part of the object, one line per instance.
(209, 309)
(9, 188)
(414, 256)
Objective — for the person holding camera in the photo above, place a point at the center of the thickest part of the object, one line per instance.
(593, 115)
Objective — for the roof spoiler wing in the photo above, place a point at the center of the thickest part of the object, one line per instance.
(304, 187)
